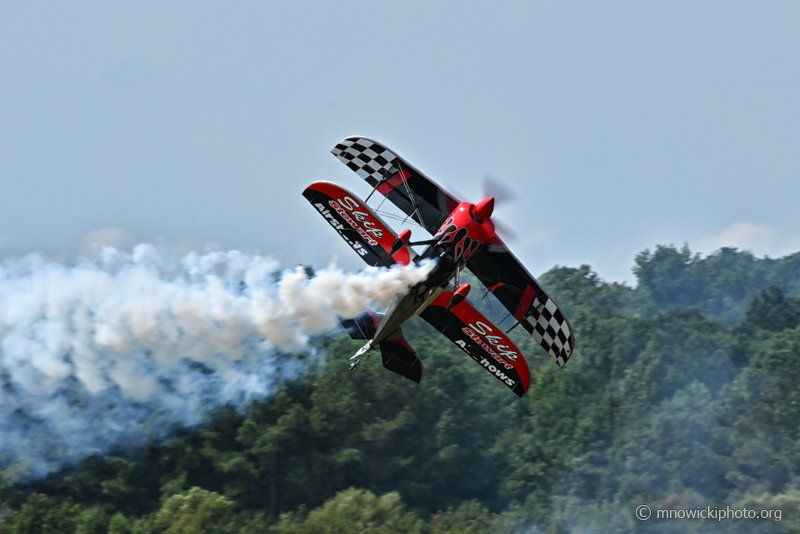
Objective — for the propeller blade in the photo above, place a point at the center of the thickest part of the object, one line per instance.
(492, 186)
(504, 231)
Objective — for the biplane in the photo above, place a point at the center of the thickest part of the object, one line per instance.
(463, 237)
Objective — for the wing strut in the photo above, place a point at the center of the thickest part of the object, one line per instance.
(412, 198)
(537, 304)
(383, 179)
(516, 324)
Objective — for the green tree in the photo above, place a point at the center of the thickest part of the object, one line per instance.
(195, 511)
(668, 275)
(41, 514)
(760, 419)
(721, 284)
(119, 524)
(770, 310)
(471, 517)
(671, 449)
(92, 520)
(583, 289)
(354, 511)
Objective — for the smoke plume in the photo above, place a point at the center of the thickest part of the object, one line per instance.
(123, 348)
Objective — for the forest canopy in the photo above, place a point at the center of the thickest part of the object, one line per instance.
(683, 392)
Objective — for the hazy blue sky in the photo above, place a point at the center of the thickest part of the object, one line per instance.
(620, 125)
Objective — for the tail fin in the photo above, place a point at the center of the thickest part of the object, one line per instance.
(399, 357)
(363, 326)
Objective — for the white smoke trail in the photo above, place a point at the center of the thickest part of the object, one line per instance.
(124, 347)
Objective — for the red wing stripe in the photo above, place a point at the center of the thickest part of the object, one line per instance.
(386, 187)
(404, 343)
(524, 303)
(402, 256)
(492, 288)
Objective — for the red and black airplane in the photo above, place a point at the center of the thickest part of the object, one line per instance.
(463, 237)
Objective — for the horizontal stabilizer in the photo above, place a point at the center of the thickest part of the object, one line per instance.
(398, 356)
(481, 339)
(363, 326)
(359, 226)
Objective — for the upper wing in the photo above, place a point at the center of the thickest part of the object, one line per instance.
(363, 230)
(407, 188)
(484, 341)
(512, 284)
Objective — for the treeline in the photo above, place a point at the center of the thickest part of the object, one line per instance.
(682, 393)
(720, 285)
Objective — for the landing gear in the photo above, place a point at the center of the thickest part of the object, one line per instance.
(460, 292)
(362, 352)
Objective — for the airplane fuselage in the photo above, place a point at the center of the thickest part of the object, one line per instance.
(463, 234)
(464, 238)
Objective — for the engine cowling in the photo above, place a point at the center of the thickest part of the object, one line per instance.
(468, 228)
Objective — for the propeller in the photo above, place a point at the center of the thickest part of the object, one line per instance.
(492, 186)
(503, 194)
(504, 231)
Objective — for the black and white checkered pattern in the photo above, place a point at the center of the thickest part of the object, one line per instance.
(552, 331)
(368, 159)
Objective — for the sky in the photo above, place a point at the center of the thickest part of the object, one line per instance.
(619, 125)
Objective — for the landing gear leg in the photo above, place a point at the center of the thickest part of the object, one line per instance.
(362, 352)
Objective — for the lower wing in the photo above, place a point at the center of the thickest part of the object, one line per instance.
(481, 339)
(523, 297)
